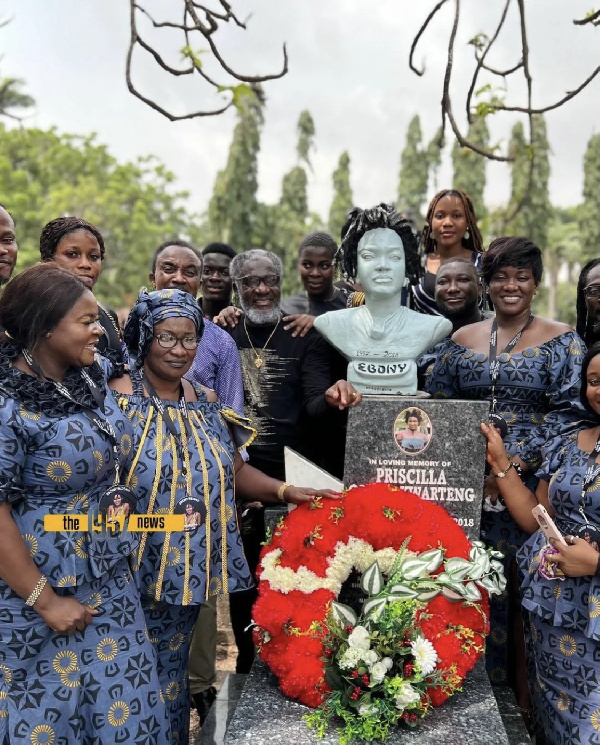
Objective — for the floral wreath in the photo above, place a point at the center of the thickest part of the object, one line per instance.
(431, 610)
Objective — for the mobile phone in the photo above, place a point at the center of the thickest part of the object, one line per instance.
(547, 524)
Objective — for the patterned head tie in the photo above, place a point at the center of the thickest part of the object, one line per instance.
(152, 308)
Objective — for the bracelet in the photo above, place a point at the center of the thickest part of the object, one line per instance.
(37, 591)
(502, 474)
(281, 491)
(519, 469)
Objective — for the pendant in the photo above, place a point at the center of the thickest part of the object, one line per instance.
(258, 363)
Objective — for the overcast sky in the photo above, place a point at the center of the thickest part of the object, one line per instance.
(348, 67)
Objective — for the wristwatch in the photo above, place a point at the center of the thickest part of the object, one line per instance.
(502, 474)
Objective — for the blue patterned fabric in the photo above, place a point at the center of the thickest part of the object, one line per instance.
(566, 685)
(170, 629)
(573, 603)
(538, 394)
(177, 571)
(563, 623)
(99, 685)
(217, 366)
(94, 687)
(176, 567)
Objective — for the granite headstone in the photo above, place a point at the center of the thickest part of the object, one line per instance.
(432, 448)
(264, 716)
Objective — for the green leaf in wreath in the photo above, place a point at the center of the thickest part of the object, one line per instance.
(434, 558)
(403, 592)
(374, 607)
(343, 614)
(372, 581)
(413, 567)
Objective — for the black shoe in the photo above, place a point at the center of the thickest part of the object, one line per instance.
(203, 701)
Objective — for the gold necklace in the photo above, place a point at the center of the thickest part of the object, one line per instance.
(258, 360)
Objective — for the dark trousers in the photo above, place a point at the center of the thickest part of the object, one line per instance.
(240, 603)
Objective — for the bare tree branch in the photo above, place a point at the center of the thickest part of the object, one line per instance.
(593, 18)
(200, 20)
(481, 59)
(482, 50)
(556, 104)
(420, 33)
(447, 100)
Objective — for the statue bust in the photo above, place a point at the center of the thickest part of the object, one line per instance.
(381, 339)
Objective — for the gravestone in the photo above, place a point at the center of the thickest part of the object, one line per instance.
(441, 460)
(264, 716)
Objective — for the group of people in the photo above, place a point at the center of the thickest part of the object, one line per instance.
(188, 411)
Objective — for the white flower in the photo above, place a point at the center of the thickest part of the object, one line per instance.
(349, 659)
(406, 696)
(370, 657)
(365, 709)
(388, 662)
(425, 655)
(378, 673)
(359, 638)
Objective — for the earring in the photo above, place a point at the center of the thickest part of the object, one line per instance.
(48, 334)
(467, 235)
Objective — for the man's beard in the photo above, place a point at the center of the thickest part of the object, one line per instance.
(593, 333)
(456, 314)
(261, 317)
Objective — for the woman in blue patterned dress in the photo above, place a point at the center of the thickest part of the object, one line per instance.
(76, 666)
(531, 381)
(450, 231)
(563, 613)
(185, 462)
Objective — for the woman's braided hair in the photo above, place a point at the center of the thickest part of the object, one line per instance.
(360, 222)
(54, 231)
(474, 242)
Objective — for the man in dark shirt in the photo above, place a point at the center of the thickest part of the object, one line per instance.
(287, 391)
(458, 291)
(216, 287)
(287, 379)
(315, 266)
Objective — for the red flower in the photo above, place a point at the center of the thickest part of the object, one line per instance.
(295, 648)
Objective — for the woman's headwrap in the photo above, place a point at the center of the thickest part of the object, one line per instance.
(152, 308)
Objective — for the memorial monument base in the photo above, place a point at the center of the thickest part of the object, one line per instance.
(264, 716)
(432, 448)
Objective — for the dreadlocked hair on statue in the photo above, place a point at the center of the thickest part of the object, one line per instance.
(474, 242)
(360, 222)
(582, 311)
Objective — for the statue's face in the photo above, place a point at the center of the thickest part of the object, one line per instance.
(381, 267)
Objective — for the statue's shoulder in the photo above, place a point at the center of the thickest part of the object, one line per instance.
(336, 317)
(425, 320)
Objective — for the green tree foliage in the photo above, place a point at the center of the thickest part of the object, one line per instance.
(306, 135)
(13, 99)
(291, 215)
(589, 212)
(233, 205)
(535, 212)
(414, 171)
(561, 268)
(469, 166)
(44, 175)
(281, 227)
(342, 201)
